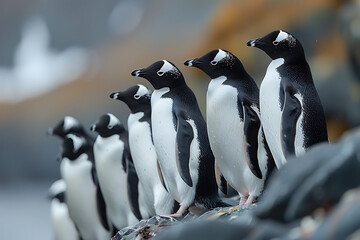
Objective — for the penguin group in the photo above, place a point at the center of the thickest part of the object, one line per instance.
(170, 158)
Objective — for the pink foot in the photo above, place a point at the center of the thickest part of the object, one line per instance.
(250, 200)
(243, 200)
(179, 212)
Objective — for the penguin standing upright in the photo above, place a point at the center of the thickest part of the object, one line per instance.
(180, 139)
(142, 147)
(233, 124)
(291, 112)
(83, 196)
(63, 226)
(119, 183)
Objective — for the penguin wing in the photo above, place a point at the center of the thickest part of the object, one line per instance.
(184, 137)
(100, 202)
(132, 186)
(251, 131)
(161, 175)
(290, 115)
(220, 180)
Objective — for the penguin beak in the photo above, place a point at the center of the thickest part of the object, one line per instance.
(50, 132)
(137, 73)
(116, 95)
(93, 128)
(254, 43)
(190, 62)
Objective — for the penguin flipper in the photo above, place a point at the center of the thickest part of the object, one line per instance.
(220, 180)
(251, 131)
(100, 202)
(132, 187)
(184, 137)
(161, 176)
(289, 117)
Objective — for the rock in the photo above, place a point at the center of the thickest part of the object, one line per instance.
(317, 179)
(145, 229)
(343, 222)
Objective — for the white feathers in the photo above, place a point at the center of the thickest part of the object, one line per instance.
(141, 91)
(167, 67)
(77, 141)
(219, 57)
(57, 187)
(113, 121)
(70, 122)
(281, 36)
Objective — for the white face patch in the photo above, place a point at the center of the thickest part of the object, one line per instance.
(77, 141)
(57, 187)
(113, 121)
(285, 36)
(281, 36)
(70, 122)
(141, 91)
(167, 67)
(219, 57)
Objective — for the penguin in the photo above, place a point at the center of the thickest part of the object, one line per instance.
(63, 226)
(68, 125)
(83, 195)
(291, 112)
(180, 139)
(118, 183)
(142, 149)
(233, 124)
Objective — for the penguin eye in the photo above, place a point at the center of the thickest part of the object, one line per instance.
(110, 126)
(275, 43)
(160, 73)
(137, 97)
(214, 62)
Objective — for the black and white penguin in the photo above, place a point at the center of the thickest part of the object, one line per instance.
(83, 196)
(119, 183)
(233, 124)
(68, 125)
(142, 149)
(291, 112)
(63, 226)
(180, 139)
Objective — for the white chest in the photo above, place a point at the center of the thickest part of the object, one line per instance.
(271, 111)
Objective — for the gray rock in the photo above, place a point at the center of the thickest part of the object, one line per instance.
(343, 222)
(318, 178)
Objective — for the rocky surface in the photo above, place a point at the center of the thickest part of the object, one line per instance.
(315, 196)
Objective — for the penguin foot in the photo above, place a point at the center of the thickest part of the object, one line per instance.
(243, 200)
(251, 199)
(179, 212)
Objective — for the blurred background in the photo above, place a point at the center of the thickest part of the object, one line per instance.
(65, 57)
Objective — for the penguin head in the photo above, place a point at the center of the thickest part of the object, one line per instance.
(136, 98)
(161, 74)
(279, 44)
(216, 63)
(72, 146)
(57, 190)
(67, 125)
(107, 125)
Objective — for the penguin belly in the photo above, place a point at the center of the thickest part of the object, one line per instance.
(63, 225)
(164, 136)
(81, 198)
(108, 154)
(226, 135)
(157, 199)
(271, 110)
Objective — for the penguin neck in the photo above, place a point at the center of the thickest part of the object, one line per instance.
(144, 108)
